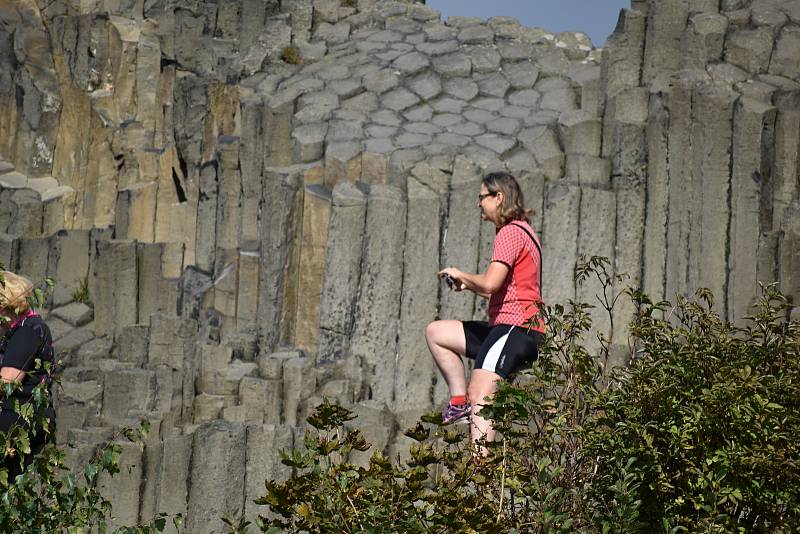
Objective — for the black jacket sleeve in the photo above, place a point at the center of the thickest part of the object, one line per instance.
(22, 347)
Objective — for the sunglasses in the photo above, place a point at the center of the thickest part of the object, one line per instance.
(481, 197)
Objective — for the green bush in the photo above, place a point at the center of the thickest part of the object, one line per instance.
(709, 415)
(698, 434)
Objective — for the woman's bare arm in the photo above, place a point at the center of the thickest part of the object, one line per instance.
(483, 284)
(10, 374)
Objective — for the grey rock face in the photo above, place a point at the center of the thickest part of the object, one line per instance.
(453, 139)
(446, 119)
(749, 49)
(115, 286)
(219, 456)
(524, 97)
(399, 99)
(422, 234)
(407, 140)
(423, 128)
(123, 490)
(495, 85)
(542, 143)
(381, 131)
(521, 75)
(334, 34)
(786, 47)
(448, 105)
(485, 59)
(454, 64)
(515, 51)
(379, 146)
(479, 115)
(381, 81)
(260, 229)
(461, 88)
(705, 39)
(386, 118)
(439, 32)
(261, 466)
(387, 36)
(503, 126)
(373, 341)
(422, 112)
(76, 313)
(363, 103)
(348, 218)
(411, 63)
(422, 13)
(426, 86)
(581, 133)
(309, 141)
(438, 48)
(477, 34)
(496, 143)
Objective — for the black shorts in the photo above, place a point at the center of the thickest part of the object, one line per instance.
(501, 349)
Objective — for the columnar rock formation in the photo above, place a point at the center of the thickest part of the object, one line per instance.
(710, 100)
(255, 196)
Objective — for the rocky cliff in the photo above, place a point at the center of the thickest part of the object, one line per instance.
(255, 196)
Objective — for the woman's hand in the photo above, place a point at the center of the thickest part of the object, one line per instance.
(455, 275)
(11, 374)
(484, 284)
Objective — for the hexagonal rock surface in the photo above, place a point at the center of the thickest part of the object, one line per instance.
(445, 87)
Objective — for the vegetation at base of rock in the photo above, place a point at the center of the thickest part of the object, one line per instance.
(81, 293)
(291, 55)
(349, 3)
(698, 433)
(45, 496)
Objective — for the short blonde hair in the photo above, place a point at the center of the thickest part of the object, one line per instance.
(14, 292)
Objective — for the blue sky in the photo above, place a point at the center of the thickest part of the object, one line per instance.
(597, 18)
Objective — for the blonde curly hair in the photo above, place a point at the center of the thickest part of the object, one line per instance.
(14, 292)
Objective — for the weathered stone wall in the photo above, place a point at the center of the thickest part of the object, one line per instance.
(257, 235)
(709, 125)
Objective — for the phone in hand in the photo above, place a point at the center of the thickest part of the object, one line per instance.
(451, 282)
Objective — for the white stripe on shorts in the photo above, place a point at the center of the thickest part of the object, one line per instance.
(490, 361)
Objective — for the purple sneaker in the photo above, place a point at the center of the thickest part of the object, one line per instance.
(455, 414)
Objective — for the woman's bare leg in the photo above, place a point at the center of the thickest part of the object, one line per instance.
(447, 343)
(482, 384)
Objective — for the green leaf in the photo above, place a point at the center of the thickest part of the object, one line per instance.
(24, 444)
(418, 433)
(328, 416)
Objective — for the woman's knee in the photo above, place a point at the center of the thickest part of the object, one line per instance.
(442, 333)
(477, 395)
(481, 386)
(432, 331)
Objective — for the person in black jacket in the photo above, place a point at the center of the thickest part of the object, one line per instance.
(26, 358)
